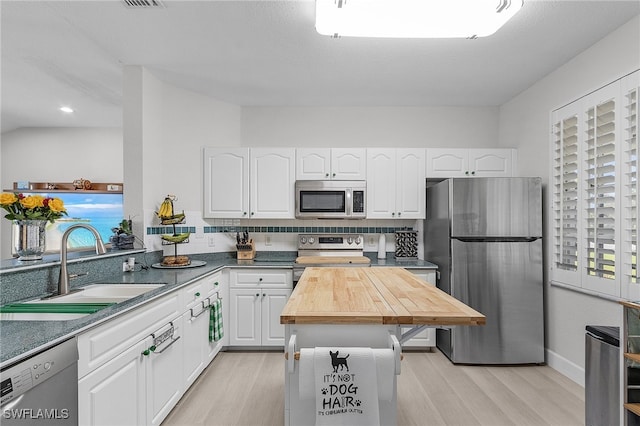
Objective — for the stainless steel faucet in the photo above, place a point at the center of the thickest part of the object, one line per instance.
(63, 281)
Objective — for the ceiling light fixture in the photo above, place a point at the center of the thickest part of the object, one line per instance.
(413, 18)
(66, 109)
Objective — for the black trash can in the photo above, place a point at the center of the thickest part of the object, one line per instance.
(602, 375)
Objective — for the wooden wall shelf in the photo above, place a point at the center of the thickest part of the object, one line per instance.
(96, 187)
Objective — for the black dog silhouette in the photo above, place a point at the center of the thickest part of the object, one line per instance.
(337, 361)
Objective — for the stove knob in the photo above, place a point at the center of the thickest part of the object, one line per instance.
(349, 240)
(303, 240)
(357, 240)
(312, 240)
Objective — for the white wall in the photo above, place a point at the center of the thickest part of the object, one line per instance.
(165, 129)
(58, 155)
(525, 124)
(370, 126)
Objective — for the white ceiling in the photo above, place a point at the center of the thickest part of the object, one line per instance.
(267, 53)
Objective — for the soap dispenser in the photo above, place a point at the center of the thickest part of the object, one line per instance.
(382, 247)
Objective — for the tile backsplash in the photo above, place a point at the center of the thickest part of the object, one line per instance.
(219, 235)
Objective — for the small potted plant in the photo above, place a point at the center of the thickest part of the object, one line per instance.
(123, 237)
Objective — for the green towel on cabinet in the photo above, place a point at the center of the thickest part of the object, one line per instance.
(215, 321)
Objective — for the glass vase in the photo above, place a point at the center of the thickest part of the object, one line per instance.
(29, 239)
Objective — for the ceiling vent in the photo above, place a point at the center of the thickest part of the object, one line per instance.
(143, 4)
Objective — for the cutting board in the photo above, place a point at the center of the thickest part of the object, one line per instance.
(333, 260)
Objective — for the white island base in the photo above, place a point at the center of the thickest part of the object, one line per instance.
(299, 411)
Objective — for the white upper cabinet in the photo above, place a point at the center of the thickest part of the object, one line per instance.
(272, 172)
(331, 163)
(395, 183)
(226, 183)
(249, 183)
(445, 162)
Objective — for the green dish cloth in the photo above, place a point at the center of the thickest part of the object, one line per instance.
(215, 321)
(53, 308)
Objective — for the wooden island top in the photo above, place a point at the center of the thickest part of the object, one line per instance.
(365, 295)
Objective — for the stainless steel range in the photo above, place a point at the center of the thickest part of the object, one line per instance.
(323, 250)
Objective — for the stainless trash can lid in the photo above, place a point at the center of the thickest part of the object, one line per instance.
(605, 333)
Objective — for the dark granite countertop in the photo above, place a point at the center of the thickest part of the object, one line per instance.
(21, 339)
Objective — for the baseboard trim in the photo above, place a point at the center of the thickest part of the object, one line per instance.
(565, 367)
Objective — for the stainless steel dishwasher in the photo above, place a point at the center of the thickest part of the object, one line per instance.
(602, 376)
(42, 389)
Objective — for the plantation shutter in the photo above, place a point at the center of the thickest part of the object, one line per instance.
(600, 194)
(600, 190)
(566, 192)
(630, 89)
(594, 189)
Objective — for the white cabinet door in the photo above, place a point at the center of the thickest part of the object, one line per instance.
(447, 162)
(195, 333)
(348, 163)
(165, 381)
(491, 162)
(396, 184)
(331, 163)
(226, 183)
(381, 183)
(426, 338)
(272, 172)
(272, 304)
(115, 394)
(410, 184)
(484, 162)
(245, 317)
(313, 163)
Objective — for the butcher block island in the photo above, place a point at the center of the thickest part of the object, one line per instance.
(350, 315)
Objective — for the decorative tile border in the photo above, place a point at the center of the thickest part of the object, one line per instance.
(155, 230)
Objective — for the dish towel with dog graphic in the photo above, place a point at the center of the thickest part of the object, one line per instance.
(385, 366)
(216, 331)
(346, 388)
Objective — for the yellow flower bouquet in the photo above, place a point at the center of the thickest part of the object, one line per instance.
(31, 207)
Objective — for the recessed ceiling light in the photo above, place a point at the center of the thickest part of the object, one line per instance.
(413, 18)
(66, 109)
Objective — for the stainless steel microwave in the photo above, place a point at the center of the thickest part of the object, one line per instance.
(331, 199)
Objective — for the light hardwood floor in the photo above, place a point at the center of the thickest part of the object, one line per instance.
(247, 388)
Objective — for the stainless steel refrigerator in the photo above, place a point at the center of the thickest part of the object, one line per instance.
(485, 235)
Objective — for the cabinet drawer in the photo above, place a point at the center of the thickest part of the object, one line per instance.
(103, 343)
(196, 293)
(261, 278)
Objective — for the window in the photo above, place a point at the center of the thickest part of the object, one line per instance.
(103, 211)
(594, 178)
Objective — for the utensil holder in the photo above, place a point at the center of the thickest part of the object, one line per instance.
(406, 245)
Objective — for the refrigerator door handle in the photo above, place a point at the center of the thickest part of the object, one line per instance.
(497, 239)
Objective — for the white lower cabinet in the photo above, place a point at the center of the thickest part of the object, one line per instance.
(427, 337)
(195, 325)
(257, 297)
(255, 316)
(135, 368)
(165, 382)
(115, 394)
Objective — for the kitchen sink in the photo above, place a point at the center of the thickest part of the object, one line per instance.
(75, 305)
(39, 316)
(102, 293)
